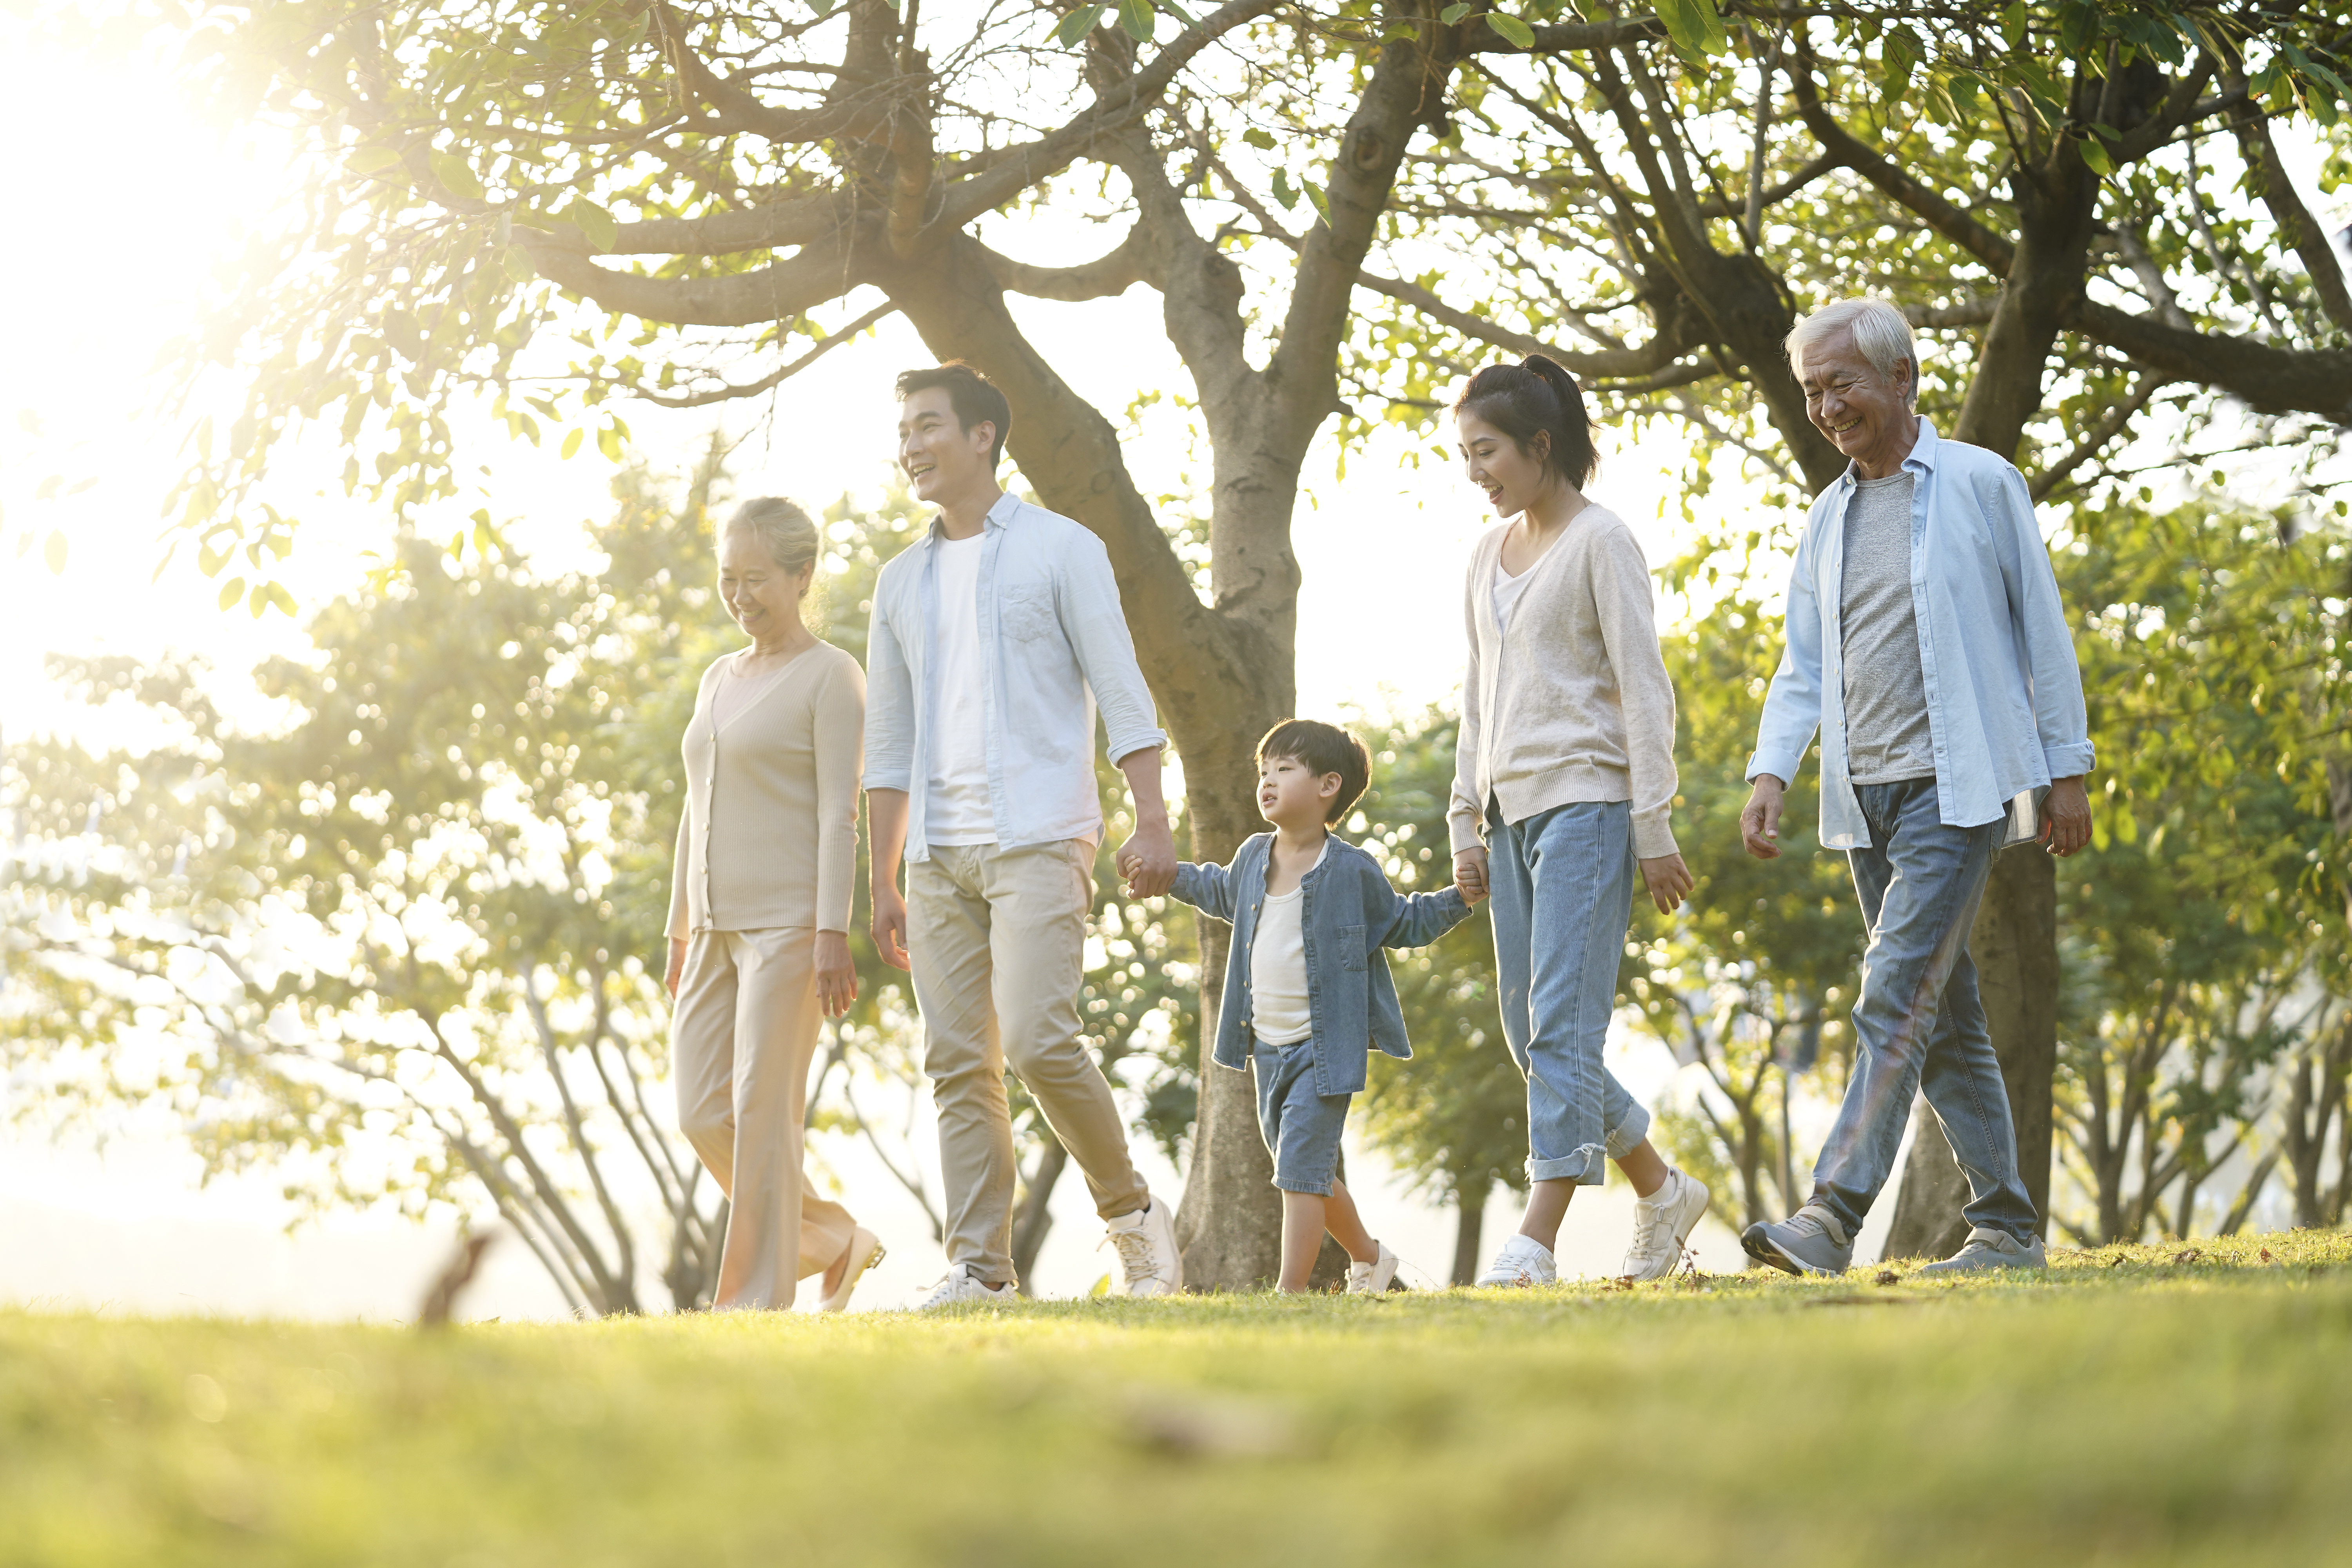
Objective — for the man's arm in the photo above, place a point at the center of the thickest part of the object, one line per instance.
(1147, 858)
(1792, 708)
(886, 847)
(2061, 721)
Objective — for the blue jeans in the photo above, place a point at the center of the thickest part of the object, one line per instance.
(1560, 893)
(1302, 1127)
(1918, 1024)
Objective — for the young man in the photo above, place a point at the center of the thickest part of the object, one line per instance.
(1927, 647)
(994, 637)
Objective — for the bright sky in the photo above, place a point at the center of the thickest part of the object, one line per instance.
(85, 451)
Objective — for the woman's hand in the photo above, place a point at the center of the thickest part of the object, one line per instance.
(836, 977)
(1669, 881)
(1470, 873)
(677, 965)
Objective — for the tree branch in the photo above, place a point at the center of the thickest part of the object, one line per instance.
(2268, 380)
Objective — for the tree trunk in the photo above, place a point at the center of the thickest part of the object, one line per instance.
(1231, 1182)
(1470, 1203)
(2015, 945)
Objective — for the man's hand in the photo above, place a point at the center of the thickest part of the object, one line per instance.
(2065, 816)
(1148, 859)
(1760, 820)
(836, 975)
(677, 966)
(1669, 881)
(890, 926)
(1470, 873)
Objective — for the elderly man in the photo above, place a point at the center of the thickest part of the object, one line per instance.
(1926, 643)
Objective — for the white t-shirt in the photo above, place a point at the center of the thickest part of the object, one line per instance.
(1507, 590)
(957, 808)
(1279, 1014)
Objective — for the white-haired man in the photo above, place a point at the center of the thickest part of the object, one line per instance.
(1927, 644)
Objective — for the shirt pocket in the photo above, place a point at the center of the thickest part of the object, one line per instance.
(1351, 949)
(1027, 613)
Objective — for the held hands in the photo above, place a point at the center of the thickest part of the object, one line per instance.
(1470, 873)
(1148, 859)
(889, 928)
(1759, 821)
(1669, 881)
(2065, 817)
(836, 976)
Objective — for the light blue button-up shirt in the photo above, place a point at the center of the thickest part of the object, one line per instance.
(1053, 644)
(2004, 694)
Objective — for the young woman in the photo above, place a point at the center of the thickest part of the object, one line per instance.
(1562, 785)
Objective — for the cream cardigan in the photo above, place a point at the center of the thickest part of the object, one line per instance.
(769, 837)
(1572, 703)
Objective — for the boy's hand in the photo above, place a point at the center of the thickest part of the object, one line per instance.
(1669, 881)
(1470, 873)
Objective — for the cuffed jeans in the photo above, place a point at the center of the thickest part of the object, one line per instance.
(1918, 1023)
(997, 939)
(1560, 892)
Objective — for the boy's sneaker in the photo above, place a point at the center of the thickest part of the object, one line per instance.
(1810, 1241)
(962, 1286)
(1662, 1224)
(1371, 1278)
(1986, 1250)
(1149, 1263)
(1522, 1261)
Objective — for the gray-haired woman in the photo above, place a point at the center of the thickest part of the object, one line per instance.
(759, 950)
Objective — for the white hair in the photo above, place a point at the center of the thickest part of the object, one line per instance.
(1879, 331)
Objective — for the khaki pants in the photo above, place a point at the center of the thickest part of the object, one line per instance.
(742, 1037)
(997, 937)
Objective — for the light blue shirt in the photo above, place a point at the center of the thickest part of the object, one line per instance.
(2004, 695)
(1053, 644)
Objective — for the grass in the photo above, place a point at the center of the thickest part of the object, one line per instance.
(2134, 1406)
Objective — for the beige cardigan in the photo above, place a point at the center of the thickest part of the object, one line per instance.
(769, 832)
(1573, 702)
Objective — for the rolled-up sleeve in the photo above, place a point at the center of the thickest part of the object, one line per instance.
(890, 701)
(840, 729)
(1793, 705)
(2039, 615)
(1087, 593)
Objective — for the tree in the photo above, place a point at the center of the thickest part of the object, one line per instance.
(471, 160)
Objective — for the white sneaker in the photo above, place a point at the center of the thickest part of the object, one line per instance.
(865, 1252)
(1371, 1278)
(962, 1286)
(1149, 1263)
(1661, 1222)
(1522, 1261)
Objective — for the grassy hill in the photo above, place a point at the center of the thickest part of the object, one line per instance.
(2171, 1405)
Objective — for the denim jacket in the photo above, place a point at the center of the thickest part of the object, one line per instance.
(1350, 914)
(2004, 696)
(1053, 646)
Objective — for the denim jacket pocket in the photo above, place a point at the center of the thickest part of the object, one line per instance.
(1027, 613)
(1351, 949)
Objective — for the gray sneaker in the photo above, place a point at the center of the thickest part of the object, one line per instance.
(1986, 1249)
(1810, 1241)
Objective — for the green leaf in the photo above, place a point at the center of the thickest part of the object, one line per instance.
(258, 601)
(1453, 13)
(572, 442)
(1261, 139)
(1511, 29)
(1074, 28)
(456, 173)
(1135, 17)
(231, 592)
(1314, 193)
(600, 227)
(53, 551)
(2095, 153)
(517, 264)
(1694, 26)
(370, 160)
(282, 599)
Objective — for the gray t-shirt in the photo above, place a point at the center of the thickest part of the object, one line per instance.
(1886, 734)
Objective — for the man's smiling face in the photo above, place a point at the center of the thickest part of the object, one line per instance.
(941, 459)
(1865, 415)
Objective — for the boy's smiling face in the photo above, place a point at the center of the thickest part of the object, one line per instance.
(1294, 795)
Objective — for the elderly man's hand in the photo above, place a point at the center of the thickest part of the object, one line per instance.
(1759, 822)
(2066, 816)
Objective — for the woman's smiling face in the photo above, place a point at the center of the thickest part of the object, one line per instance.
(1511, 478)
(763, 598)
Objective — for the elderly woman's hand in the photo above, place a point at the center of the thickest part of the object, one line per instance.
(836, 977)
(677, 965)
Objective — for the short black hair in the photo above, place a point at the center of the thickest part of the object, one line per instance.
(1326, 747)
(974, 397)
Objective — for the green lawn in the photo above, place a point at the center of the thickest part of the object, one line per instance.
(2135, 1405)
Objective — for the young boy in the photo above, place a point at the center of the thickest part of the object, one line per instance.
(1307, 992)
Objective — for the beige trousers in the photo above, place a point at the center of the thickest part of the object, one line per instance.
(742, 1037)
(997, 937)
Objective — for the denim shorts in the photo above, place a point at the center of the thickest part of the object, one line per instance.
(1302, 1127)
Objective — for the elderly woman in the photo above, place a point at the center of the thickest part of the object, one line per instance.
(759, 954)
